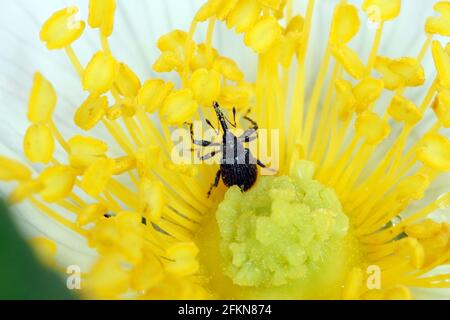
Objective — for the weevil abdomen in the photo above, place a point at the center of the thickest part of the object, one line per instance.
(241, 175)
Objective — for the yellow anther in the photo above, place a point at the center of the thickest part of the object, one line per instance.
(201, 58)
(114, 113)
(205, 85)
(436, 246)
(57, 182)
(295, 25)
(349, 59)
(353, 284)
(441, 107)
(179, 107)
(127, 83)
(391, 80)
(153, 93)
(398, 293)
(442, 63)
(412, 187)
(62, 28)
(424, 229)
(108, 279)
(91, 112)
(97, 176)
(91, 213)
(128, 108)
(24, 190)
(345, 24)
(382, 10)
(434, 152)
(147, 274)
(105, 235)
(151, 199)
(225, 9)
(124, 164)
(13, 170)
(85, 150)
(373, 128)
(236, 96)
(345, 100)
(410, 70)
(100, 73)
(367, 92)
(127, 220)
(413, 250)
(208, 10)
(228, 68)
(400, 72)
(168, 61)
(402, 109)
(173, 41)
(42, 100)
(45, 248)
(441, 24)
(101, 15)
(38, 144)
(263, 35)
(244, 15)
(146, 159)
(183, 256)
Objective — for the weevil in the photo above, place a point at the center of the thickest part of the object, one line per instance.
(238, 167)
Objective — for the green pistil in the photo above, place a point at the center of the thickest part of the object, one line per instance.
(283, 229)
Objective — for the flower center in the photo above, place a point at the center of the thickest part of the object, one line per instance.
(286, 232)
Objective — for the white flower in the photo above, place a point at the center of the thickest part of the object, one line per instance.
(139, 24)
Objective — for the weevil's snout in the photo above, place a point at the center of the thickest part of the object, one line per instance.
(220, 116)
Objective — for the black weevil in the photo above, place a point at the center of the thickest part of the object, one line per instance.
(237, 166)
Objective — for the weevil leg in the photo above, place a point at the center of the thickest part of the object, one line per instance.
(215, 184)
(262, 165)
(253, 122)
(246, 136)
(209, 155)
(202, 143)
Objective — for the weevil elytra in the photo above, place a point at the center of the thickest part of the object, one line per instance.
(238, 167)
